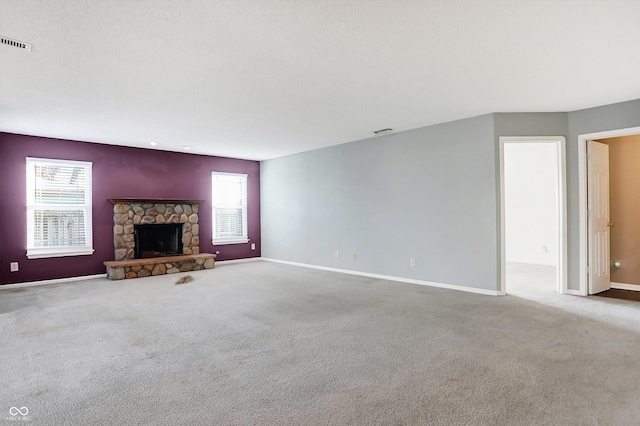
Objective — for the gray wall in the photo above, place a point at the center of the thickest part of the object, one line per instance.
(428, 193)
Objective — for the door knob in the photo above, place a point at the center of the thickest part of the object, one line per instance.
(609, 223)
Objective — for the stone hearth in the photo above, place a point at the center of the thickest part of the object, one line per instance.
(140, 268)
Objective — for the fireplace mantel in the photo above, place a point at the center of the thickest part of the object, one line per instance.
(116, 200)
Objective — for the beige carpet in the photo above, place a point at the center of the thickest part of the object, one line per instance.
(270, 344)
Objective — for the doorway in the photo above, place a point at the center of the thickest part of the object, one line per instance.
(590, 281)
(533, 214)
(614, 257)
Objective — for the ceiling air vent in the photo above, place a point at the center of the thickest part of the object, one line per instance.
(382, 131)
(15, 43)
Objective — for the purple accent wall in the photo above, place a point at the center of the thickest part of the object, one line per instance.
(117, 172)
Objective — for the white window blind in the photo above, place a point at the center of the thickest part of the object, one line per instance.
(229, 199)
(58, 208)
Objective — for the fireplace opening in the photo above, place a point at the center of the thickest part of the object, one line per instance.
(158, 240)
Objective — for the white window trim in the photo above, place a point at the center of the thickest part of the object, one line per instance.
(223, 241)
(45, 252)
(226, 240)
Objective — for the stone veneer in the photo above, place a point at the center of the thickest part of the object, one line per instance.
(128, 214)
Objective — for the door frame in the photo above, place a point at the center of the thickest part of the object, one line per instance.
(583, 289)
(561, 271)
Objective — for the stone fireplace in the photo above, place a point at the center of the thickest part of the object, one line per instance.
(128, 213)
(145, 233)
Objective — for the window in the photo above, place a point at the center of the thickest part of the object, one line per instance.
(58, 208)
(229, 195)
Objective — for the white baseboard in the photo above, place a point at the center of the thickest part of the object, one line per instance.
(390, 278)
(304, 265)
(48, 282)
(623, 286)
(227, 262)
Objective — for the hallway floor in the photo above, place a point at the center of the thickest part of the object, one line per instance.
(527, 279)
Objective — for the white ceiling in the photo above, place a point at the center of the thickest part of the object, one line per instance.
(265, 78)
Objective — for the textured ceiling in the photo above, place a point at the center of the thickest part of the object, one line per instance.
(265, 78)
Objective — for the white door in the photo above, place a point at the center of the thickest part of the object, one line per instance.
(598, 216)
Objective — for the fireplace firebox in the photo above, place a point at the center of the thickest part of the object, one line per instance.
(158, 240)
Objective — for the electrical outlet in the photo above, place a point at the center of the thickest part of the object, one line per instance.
(412, 262)
(353, 256)
(253, 246)
(14, 267)
(337, 254)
